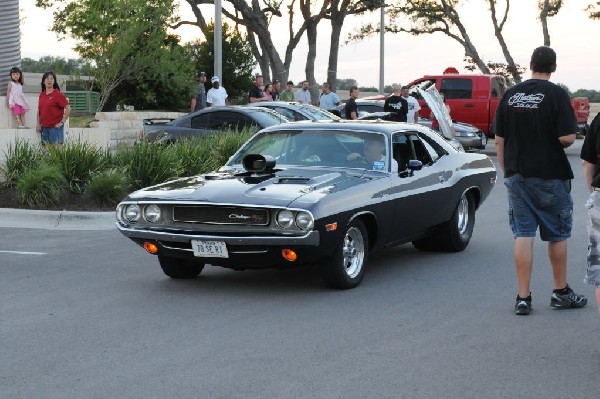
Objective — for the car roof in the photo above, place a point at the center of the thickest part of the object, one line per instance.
(243, 109)
(375, 126)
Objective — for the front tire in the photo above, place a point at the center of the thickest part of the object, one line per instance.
(346, 267)
(180, 268)
(455, 234)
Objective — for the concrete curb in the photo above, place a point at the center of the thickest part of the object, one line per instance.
(56, 220)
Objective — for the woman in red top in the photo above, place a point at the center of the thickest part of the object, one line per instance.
(53, 111)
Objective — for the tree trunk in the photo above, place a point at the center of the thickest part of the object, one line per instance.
(544, 19)
(512, 67)
(338, 14)
(263, 59)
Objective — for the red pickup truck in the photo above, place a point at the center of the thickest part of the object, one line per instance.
(474, 98)
(581, 105)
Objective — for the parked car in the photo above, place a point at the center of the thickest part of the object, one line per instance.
(581, 106)
(298, 112)
(209, 121)
(469, 136)
(327, 193)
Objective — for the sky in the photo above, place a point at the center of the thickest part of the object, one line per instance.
(406, 57)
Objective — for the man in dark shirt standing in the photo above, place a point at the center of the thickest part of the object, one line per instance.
(590, 155)
(351, 109)
(396, 105)
(256, 93)
(276, 90)
(199, 99)
(534, 123)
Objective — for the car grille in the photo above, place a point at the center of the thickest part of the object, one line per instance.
(231, 215)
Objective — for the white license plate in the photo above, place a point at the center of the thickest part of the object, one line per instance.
(210, 249)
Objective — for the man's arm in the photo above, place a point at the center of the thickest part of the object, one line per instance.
(567, 140)
(193, 104)
(500, 151)
(588, 173)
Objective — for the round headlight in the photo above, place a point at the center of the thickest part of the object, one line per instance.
(152, 213)
(285, 219)
(304, 221)
(132, 213)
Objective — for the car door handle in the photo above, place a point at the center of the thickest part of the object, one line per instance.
(469, 105)
(442, 179)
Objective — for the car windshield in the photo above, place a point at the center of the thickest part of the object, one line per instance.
(328, 148)
(266, 117)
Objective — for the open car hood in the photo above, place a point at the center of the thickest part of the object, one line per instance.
(436, 104)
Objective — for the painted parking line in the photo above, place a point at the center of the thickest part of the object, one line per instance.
(23, 253)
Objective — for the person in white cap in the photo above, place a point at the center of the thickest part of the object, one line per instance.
(217, 96)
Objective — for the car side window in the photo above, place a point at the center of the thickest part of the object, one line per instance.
(294, 116)
(230, 120)
(458, 88)
(201, 121)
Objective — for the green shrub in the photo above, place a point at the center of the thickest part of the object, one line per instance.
(19, 158)
(208, 153)
(78, 162)
(42, 186)
(108, 187)
(148, 164)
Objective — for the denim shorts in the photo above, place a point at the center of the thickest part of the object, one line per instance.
(535, 202)
(592, 275)
(53, 135)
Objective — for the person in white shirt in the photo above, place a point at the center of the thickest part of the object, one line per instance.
(328, 100)
(303, 95)
(217, 96)
(413, 106)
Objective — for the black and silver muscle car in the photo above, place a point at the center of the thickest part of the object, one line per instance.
(326, 193)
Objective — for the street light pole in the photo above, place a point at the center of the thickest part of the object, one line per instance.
(218, 63)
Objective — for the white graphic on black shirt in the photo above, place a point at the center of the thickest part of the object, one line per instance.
(522, 100)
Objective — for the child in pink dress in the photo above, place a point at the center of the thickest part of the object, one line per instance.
(15, 98)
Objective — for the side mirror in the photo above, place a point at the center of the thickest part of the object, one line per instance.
(415, 164)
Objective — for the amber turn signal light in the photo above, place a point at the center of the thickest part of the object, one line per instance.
(148, 246)
(288, 254)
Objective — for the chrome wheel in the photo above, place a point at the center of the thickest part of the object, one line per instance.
(353, 252)
(462, 215)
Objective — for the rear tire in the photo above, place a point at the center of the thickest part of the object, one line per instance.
(345, 269)
(180, 268)
(455, 234)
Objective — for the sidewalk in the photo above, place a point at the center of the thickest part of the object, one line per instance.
(56, 220)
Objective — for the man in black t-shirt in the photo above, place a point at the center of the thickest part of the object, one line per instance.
(590, 154)
(534, 123)
(351, 108)
(256, 93)
(396, 105)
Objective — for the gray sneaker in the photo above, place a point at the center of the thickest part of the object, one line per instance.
(523, 305)
(566, 298)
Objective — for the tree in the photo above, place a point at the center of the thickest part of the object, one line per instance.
(594, 10)
(59, 65)
(238, 62)
(122, 38)
(548, 8)
(432, 16)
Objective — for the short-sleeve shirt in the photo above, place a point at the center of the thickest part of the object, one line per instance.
(256, 92)
(590, 151)
(275, 95)
(287, 96)
(51, 108)
(398, 108)
(216, 97)
(303, 96)
(531, 117)
(200, 97)
(329, 100)
(351, 107)
(413, 108)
